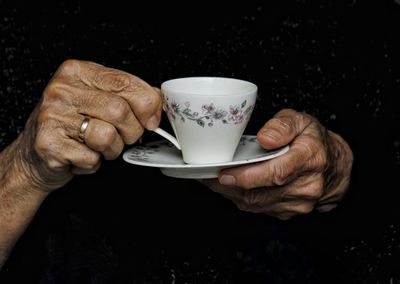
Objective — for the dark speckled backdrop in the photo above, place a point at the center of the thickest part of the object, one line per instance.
(337, 60)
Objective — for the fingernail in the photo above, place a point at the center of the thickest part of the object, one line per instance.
(273, 134)
(152, 123)
(227, 180)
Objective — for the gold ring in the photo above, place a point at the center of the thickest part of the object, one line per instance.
(82, 129)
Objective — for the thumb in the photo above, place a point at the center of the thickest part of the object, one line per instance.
(282, 129)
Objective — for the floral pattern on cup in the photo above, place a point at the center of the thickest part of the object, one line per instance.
(209, 113)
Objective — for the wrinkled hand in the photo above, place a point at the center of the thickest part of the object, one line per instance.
(314, 173)
(119, 105)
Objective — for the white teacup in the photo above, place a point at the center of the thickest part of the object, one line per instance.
(208, 115)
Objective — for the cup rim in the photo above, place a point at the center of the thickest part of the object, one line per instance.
(252, 87)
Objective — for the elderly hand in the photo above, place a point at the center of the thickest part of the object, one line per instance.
(59, 142)
(314, 173)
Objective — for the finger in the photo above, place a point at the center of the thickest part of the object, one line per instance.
(309, 187)
(289, 209)
(260, 199)
(82, 171)
(144, 100)
(101, 77)
(147, 105)
(254, 201)
(114, 110)
(60, 151)
(64, 99)
(103, 137)
(233, 193)
(282, 128)
(81, 156)
(264, 200)
(275, 172)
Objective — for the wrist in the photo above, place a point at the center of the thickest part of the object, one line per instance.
(19, 174)
(38, 166)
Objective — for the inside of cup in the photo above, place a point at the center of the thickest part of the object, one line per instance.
(209, 86)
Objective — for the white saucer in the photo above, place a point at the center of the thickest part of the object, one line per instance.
(162, 154)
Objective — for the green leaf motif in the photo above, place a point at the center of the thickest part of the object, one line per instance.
(200, 122)
(248, 110)
(187, 112)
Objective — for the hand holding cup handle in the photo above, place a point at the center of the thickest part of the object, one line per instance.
(87, 112)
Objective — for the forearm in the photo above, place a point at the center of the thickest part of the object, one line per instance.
(19, 200)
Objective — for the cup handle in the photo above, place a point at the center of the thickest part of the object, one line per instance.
(168, 136)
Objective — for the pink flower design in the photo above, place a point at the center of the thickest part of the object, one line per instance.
(210, 113)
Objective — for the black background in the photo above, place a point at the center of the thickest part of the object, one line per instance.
(337, 60)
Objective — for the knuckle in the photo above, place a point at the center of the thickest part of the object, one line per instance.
(250, 198)
(43, 142)
(300, 208)
(314, 191)
(90, 161)
(321, 157)
(136, 85)
(118, 81)
(136, 133)
(115, 154)
(279, 175)
(111, 80)
(94, 160)
(307, 119)
(308, 148)
(106, 137)
(119, 110)
(250, 202)
(54, 90)
(69, 67)
(129, 140)
(305, 208)
(147, 104)
(308, 157)
(54, 164)
(315, 153)
(48, 120)
(45, 115)
(242, 206)
(245, 179)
